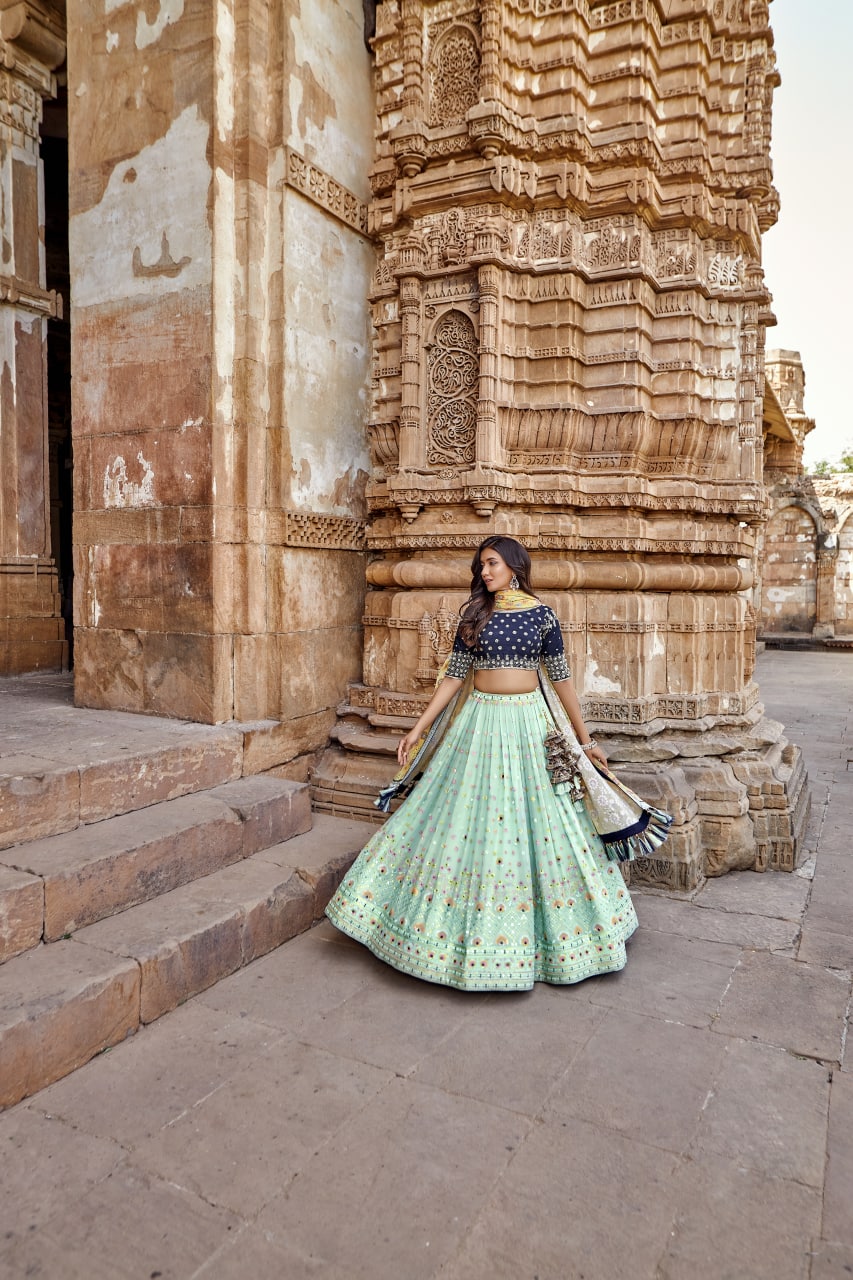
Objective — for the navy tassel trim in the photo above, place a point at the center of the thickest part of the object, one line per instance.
(641, 840)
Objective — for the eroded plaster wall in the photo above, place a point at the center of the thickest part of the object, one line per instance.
(219, 268)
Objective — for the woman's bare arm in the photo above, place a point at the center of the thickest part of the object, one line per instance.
(439, 700)
(568, 697)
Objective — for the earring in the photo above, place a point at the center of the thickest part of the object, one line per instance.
(513, 582)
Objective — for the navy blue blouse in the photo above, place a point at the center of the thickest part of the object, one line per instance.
(514, 638)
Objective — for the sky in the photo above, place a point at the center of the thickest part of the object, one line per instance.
(808, 255)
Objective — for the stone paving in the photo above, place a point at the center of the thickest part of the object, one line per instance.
(319, 1115)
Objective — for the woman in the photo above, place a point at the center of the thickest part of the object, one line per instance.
(495, 872)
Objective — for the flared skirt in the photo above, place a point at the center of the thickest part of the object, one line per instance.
(485, 878)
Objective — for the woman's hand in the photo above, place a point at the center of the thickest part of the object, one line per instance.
(596, 754)
(404, 746)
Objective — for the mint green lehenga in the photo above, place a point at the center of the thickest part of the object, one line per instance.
(488, 876)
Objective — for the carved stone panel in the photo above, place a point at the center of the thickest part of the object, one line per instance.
(452, 382)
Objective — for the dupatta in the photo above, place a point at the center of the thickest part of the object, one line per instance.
(628, 827)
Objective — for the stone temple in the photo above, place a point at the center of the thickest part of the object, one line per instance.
(302, 299)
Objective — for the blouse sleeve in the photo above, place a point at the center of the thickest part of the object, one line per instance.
(553, 654)
(461, 659)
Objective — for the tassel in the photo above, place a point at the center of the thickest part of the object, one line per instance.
(562, 764)
(642, 844)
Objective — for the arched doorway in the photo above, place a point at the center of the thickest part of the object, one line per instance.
(789, 572)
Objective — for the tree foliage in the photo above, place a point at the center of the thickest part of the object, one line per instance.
(842, 465)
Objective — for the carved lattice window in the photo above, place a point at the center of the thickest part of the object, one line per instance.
(452, 386)
(454, 77)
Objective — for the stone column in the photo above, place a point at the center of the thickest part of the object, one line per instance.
(31, 629)
(825, 604)
(595, 273)
(488, 445)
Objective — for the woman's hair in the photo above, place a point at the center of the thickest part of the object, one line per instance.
(479, 606)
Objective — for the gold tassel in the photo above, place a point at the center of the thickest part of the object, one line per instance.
(562, 764)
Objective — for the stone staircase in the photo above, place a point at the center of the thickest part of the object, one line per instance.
(140, 876)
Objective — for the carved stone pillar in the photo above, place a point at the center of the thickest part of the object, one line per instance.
(491, 20)
(592, 278)
(410, 377)
(488, 446)
(825, 603)
(32, 634)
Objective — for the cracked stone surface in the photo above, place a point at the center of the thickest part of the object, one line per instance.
(317, 1114)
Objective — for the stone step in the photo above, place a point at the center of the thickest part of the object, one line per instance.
(97, 870)
(63, 1002)
(44, 793)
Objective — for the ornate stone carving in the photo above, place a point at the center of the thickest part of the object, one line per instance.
(312, 529)
(454, 75)
(453, 375)
(435, 640)
(323, 190)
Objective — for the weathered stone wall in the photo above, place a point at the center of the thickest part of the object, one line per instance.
(804, 586)
(569, 311)
(31, 630)
(219, 267)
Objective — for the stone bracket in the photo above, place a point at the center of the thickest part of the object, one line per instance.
(29, 297)
(28, 26)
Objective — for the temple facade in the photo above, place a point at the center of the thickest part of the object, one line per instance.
(806, 548)
(345, 288)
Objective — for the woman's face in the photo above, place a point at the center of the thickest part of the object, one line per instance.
(495, 571)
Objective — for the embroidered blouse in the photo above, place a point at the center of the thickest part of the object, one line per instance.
(514, 638)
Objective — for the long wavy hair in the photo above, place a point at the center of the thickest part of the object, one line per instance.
(480, 605)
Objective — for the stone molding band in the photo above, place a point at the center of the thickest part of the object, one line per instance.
(323, 190)
(611, 575)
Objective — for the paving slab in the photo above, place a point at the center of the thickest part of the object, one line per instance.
(499, 1033)
(251, 1255)
(672, 916)
(641, 1077)
(443, 1154)
(317, 1114)
(677, 979)
(367, 1025)
(831, 902)
(241, 1145)
(831, 1261)
(69, 1163)
(767, 893)
(784, 1002)
(732, 1224)
(130, 1226)
(769, 1112)
(572, 1204)
(287, 990)
(838, 1195)
(163, 1071)
(825, 948)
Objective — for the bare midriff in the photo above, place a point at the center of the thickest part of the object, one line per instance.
(506, 680)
